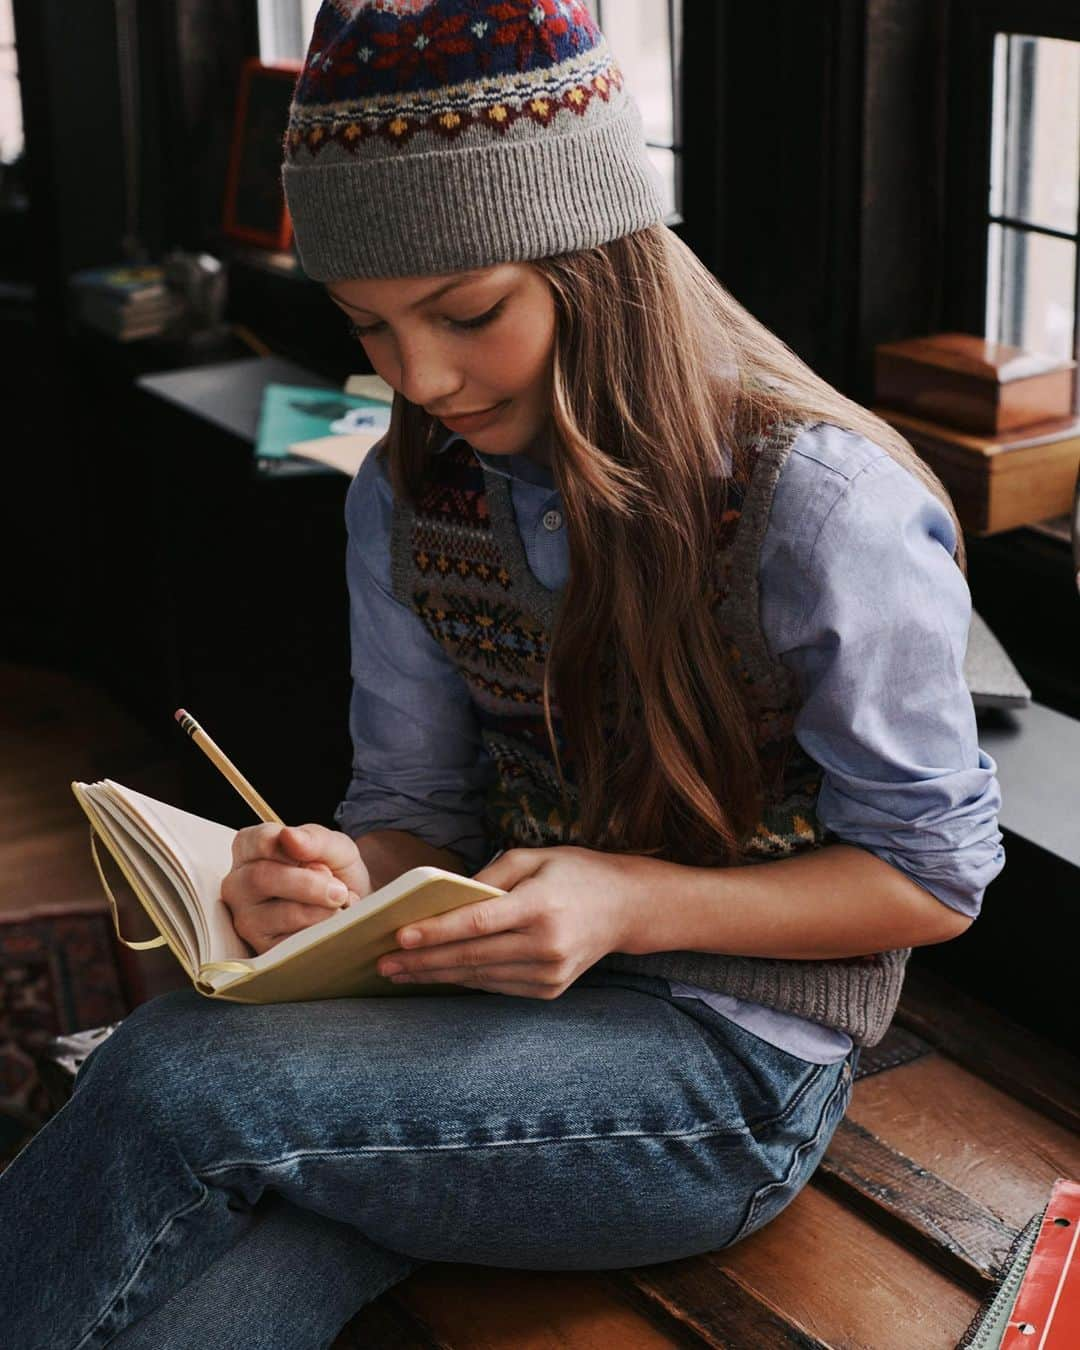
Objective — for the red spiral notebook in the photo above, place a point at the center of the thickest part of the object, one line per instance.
(1037, 1302)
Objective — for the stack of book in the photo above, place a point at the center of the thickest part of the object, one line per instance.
(125, 301)
(997, 424)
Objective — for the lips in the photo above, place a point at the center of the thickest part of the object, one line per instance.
(476, 421)
(460, 416)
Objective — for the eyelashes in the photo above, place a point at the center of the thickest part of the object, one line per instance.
(481, 321)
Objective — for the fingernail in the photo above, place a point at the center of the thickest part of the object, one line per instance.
(337, 891)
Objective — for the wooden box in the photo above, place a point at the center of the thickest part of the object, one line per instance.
(999, 482)
(969, 383)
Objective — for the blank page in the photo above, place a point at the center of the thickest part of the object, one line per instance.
(203, 848)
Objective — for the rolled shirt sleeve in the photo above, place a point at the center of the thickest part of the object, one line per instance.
(419, 763)
(861, 599)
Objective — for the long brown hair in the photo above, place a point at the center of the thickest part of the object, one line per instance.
(655, 368)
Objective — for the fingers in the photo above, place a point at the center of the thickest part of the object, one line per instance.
(478, 920)
(465, 957)
(293, 844)
(315, 843)
(256, 841)
(263, 925)
(263, 879)
(512, 867)
(285, 878)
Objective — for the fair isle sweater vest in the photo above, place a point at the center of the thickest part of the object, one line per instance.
(459, 563)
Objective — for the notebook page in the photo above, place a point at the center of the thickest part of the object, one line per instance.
(203, 849)
(158, 874)
(134, 825)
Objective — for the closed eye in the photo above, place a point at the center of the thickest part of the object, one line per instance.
(481, 321)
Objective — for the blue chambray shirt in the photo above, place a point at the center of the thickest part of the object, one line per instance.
(859, 597)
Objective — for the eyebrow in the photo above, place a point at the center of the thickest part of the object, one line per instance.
(460, 280)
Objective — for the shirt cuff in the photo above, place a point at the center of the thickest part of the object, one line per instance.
(960, 888)
(463, 835)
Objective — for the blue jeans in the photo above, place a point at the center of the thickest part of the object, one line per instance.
(236, 1177)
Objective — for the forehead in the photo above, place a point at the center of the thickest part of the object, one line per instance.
(401, 293)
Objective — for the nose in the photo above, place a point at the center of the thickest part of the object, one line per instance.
(426, 374)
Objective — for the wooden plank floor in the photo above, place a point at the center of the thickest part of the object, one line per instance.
(959, 1124)
(55, 729)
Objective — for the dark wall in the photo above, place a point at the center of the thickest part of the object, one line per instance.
(815, 169)
(792, 98)
(188, 56)
(902, 198)
(211, 39)
(71, 114)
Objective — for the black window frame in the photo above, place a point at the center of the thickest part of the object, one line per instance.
(972, 29)
(676, 40)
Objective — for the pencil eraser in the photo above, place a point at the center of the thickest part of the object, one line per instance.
(179, 714)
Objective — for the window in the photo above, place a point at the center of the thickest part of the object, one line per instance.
(644, 36)
(11, 127)
(1011, 206)
(1034, 204)
(284, 28)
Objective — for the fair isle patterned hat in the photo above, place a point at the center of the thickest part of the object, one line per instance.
(431, 136)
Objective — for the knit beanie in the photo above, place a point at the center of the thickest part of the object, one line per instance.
(431, 136)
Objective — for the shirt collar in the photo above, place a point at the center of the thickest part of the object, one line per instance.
(521, 468)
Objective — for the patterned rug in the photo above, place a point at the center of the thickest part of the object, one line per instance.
(58, 973)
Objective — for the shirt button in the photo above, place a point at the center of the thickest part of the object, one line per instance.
(552, 520)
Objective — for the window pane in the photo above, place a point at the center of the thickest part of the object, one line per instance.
(1030, 291)
(282, 34)
(11, 127)
(1035, 164)
(309, 10)
(638, 33)
(663, 162)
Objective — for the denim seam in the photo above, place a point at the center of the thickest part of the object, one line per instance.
(753, 1127)
(796, 1159)
(811, 1081)
(122, 1290)
(208, 1172)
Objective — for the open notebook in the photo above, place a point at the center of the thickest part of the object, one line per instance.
(175, 862)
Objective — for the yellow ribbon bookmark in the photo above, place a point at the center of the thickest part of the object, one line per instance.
(238, 967)
(137, 946)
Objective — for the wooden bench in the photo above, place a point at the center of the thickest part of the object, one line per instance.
(959, 1124)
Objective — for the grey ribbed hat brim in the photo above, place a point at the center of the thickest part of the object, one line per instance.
(447, 210)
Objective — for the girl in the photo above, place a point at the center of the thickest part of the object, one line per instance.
(640, 604)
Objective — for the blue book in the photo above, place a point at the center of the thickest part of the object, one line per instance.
(124, 283)
(296, 412)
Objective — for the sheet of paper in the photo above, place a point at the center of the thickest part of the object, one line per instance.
(369, 386)
(161, 878)
(204, 849)
(345, 452)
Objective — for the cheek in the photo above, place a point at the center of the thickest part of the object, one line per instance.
(518, 358)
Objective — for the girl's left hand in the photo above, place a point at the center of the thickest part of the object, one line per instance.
(565, 908)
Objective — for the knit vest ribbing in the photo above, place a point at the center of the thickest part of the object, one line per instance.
(459, 563)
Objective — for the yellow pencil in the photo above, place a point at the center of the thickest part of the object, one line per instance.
(218, 758)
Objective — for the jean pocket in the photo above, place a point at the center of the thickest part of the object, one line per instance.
(773, 1196)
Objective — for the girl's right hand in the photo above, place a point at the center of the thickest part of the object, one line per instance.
(285, 878)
